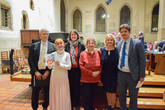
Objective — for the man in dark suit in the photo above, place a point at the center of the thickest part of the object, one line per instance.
(161, 44)
(141, 37)
(132, 63)
(40, 73)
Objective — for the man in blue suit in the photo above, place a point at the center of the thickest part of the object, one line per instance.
(132, 63)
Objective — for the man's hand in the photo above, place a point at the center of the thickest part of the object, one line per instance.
(141, 80)
(46, 74)
(38, 75)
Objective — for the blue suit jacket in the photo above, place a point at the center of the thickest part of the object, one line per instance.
(136, 58)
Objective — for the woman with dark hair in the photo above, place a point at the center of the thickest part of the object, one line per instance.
(74, 47)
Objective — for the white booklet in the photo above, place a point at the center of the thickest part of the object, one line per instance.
(49, 59)
(139, 84)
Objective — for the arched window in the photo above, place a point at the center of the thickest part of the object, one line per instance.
(155, 14)
(62, 16)
(31, 4)
(5, 16)
(100, 19)
(125, 15)
(77, 20)
(24, 22)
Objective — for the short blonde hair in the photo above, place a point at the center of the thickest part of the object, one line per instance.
(89, 40)
(110, 35)
(59, 40)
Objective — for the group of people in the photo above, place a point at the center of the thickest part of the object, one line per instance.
(122, 64)
(156, 46)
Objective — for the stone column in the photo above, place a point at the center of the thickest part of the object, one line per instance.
(161, 24)
(142, 5)
(57, 15)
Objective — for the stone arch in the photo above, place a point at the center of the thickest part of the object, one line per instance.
(155, 18)
(131, 12)
(95, 19)
(25, 20)
(76, 9)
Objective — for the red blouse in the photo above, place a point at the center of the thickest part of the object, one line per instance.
(88, 64)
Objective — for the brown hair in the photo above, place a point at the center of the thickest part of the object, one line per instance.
(126, 26)
(75, 31)
(110, 35)
(89, 40)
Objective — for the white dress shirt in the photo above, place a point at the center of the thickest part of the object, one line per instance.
(125, 68)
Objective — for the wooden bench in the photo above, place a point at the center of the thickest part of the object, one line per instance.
(21, 59)
(5, 61)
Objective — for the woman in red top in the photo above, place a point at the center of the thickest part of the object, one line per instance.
(90, 65)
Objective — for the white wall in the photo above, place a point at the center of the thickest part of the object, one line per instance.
(43, 16)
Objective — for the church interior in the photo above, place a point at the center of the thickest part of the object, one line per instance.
(21, 20)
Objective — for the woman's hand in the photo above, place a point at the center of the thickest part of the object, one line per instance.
(95, 74)
(57, 63)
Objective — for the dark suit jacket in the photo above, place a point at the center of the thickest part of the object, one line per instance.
(136, 58)
(163, 48)
(81, 48)
(33, 59)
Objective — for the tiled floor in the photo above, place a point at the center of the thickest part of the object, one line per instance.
(15, 95)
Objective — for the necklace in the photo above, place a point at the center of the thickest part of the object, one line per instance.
(109, 50)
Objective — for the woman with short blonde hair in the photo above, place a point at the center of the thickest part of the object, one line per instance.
(109, 60)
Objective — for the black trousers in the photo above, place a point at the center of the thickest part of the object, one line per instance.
(74, 80)
(88, 95)
(35, 96)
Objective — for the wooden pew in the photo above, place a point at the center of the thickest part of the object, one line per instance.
(160, 63)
